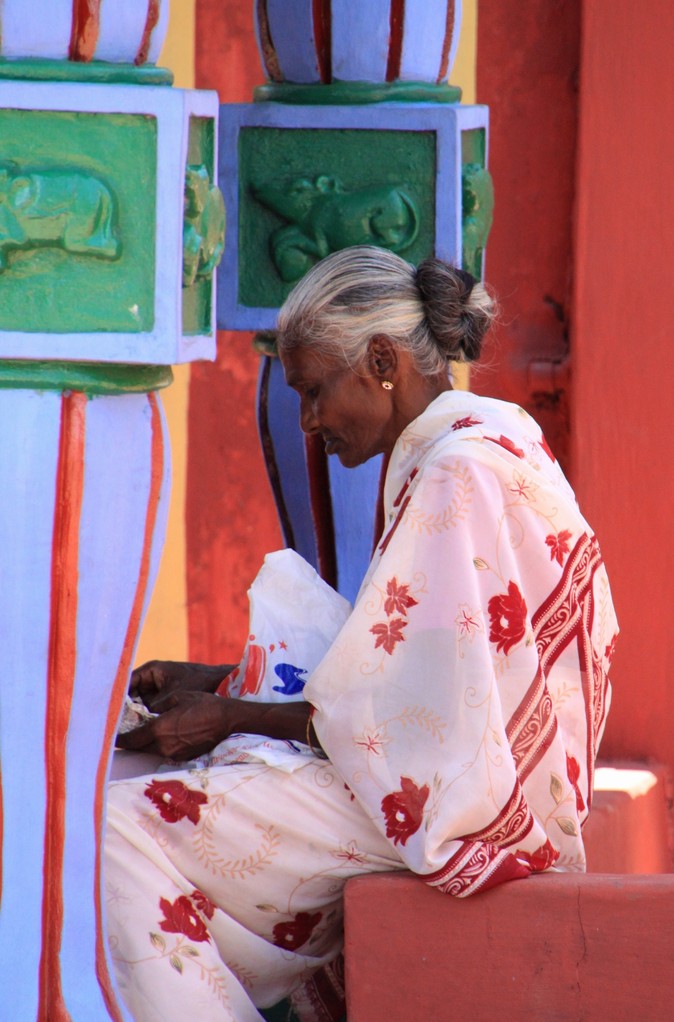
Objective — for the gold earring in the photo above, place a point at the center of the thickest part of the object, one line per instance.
(387, 385)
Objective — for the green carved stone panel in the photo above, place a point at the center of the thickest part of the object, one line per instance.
(477, 199)
(204, 227)
(77, 221)
(306, 192)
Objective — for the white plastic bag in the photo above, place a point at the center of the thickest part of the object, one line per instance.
(294, 618)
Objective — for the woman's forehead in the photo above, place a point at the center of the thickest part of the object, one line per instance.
(303, 363)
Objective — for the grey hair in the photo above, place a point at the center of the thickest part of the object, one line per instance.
(436, 312)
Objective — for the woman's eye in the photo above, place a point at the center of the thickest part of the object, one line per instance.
(312, 393)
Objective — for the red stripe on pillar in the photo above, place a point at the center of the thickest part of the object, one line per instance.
(119, 691)
(395, 42)
(60, 682)
(86, 24)
(268, 52)
(447, 43)
(150, 25)
(322, 19)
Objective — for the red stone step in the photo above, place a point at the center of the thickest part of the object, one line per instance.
(628, 828)
(552, 948)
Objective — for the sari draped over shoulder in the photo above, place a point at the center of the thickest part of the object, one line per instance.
(465, 697)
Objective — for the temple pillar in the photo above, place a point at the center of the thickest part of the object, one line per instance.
(110, 230)
(355, 138)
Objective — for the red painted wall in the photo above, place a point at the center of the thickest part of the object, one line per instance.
(622, 349)
(527, 67)
(230, 516)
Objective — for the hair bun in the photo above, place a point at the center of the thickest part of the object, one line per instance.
(457, 308)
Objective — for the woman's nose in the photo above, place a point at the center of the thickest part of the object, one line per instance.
(308, 420)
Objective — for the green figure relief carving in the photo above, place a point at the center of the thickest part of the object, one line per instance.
(305, 192)
(57, 206)
(477, 198)
(323, 217)
(204, 229)
(78, 198)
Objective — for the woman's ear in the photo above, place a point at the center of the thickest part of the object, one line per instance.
(383, 357)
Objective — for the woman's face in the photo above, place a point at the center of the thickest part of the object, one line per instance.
(351, 411)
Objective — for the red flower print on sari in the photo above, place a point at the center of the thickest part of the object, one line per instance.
(507, 618)
(175, 800)
(398, 599)
(293, 934)
(204, 904)
(389, 634)
(507, 444)
(181, 916)
(403, 810)
(610, 650)
(559, 545)
(542, 858)
(466, 422)
(573, 773)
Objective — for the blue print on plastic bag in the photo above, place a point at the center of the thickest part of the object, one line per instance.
(290, 676)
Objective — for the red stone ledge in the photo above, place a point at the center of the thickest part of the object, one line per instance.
(557, 947)
(629, 827)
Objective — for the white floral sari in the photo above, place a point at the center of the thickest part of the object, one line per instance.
(461, 705)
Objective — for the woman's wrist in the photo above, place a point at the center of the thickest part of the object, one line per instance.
(288, 721)
(213, 674)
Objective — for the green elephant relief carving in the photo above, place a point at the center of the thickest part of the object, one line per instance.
(477, 204)
(204, 225)
(61, 207)
(323, 217)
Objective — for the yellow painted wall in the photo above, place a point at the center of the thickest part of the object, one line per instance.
(165, 631)
(463, 73)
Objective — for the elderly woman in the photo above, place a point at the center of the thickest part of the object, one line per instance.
(450, 727)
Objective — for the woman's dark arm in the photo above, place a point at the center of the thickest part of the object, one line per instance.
(192, 723)
(158, 678)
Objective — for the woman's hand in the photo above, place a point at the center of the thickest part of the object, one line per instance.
(193, 723)
(189, 724)
(158, 678)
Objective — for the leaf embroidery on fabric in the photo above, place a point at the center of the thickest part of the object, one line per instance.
(523, 487)
(542, 858)
(454, 511)
(403, 810)
(468, 621)
(573, 773)
(556, 788)
(398, 599)
(389, 634)
(208, 850)
(372, 742)
(507, 444)
(351, 853)
(559, 545)
(466, 422)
